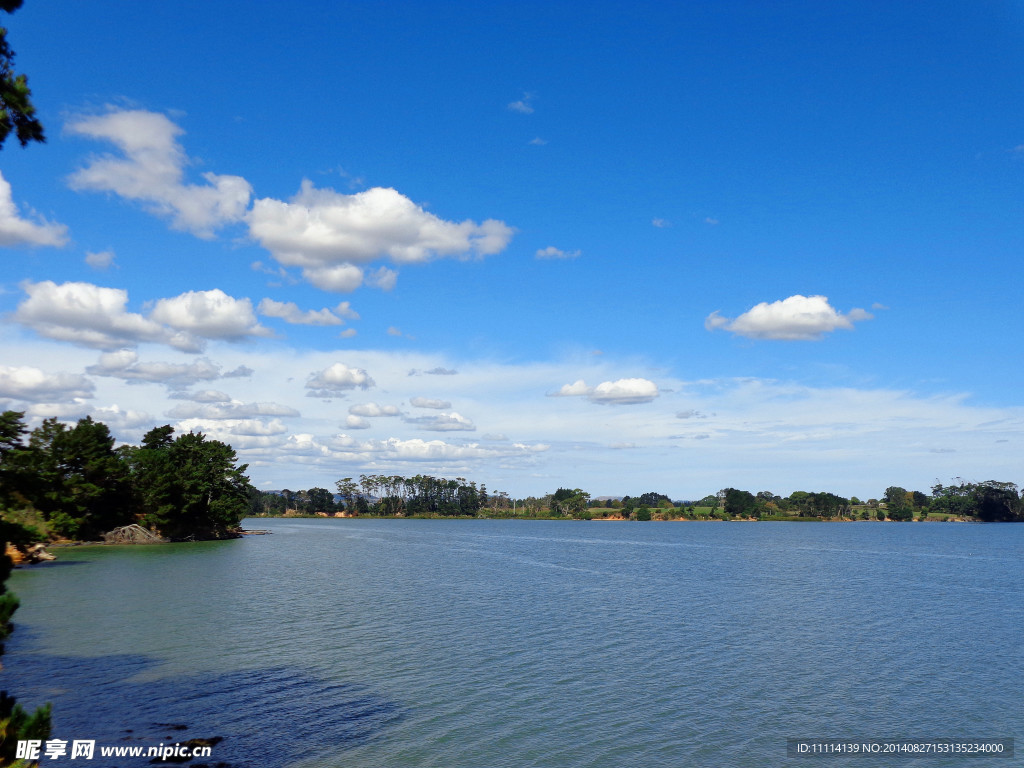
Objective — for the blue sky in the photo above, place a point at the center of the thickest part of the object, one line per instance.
(765, 245)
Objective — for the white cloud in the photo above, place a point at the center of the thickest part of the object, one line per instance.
(443, 422)
(523, 105)
(537, 141)
(87, 314)
(124, 364)
(619, 392)
(337, 379)
(93, 316)
(340, 278)
(36, 386)
(661, 223)
(151, 171)
(236, 432)
(117, 418)
(356, 422)
(415, 449)
(372, 409)
(290, 313)
(332, 235)
(798, 318)
(554, 253)
(426, 402)
(383, 278)
(15, 230)
(348, 333)
(209, 314)
(230, 411)
(344, 309)
(202, 396)
(64, 411)
(100, 260)
(577, 388)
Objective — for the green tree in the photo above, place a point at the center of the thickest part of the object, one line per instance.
(189, 488)
(569, 502)
(739, 503)
(320, 500)
(16, 110)
(898, 506)
(76, 478)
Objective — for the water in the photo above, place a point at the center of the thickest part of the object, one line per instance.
(479, 644)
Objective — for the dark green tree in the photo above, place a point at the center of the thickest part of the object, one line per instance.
(16, 110)
(898, 506)
(739, 503)
(320, 500)
(78, 481)
(189, 488)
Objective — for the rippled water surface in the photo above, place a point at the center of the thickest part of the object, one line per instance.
(470, 644)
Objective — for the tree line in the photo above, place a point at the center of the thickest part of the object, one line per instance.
(386, 495)
(423, 495)
(60, 481)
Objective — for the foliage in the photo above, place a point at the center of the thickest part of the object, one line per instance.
(569, 503)
(739, 503)
(990, 501)
(16, 110)
(80, 486)
(80, 482)
(188, 488)
(421, 495)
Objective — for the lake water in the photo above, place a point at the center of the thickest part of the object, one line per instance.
(507, 644)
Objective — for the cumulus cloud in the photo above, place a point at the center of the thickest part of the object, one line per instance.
(209, 314)
(93, 316)
(124, 364)
(372, 409)
(523, 105)
(151, 170)
(290, 313)
(395, 449)
(202, 396)
(356, 422)
(344, 309)
(798, 318)
(34, 385)
(443, 422)
(383, 278)
(87, 314)
(331, 236)
(620, 392)
(233, 410)
(119, 418)
(555, 253)
(100, 260)
(64, 411)
(240, 433)
(426, 402)
(16, 230)
(337, 379)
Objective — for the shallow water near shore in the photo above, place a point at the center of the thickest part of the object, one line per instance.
(479, 643)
